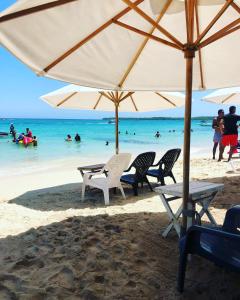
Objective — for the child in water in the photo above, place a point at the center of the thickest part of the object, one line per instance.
(69, 138)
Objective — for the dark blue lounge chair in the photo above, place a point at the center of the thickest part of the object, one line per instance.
(141, 164)
(219, 245)
(165, 166)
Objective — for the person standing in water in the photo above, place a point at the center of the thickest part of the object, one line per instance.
(77, 138)
(28, 133)
(11, 129)
(230, 133)
(157, 135)
(216, 125)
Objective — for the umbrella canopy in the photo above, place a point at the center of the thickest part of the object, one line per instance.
(130, 45)
(224, 96)
(133, 45)
(76, 97)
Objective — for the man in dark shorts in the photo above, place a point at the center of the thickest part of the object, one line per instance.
(216, 125)
(230, 133)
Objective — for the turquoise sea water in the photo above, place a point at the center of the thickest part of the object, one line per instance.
(94, 133)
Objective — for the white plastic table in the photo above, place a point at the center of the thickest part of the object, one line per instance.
(200, 192)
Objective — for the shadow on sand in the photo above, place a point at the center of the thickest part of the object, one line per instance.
(105, 257)
(60, 198)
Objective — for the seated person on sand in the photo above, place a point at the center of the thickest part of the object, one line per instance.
(34, 141)
(69, 138)
(157, 135)
(77, 138)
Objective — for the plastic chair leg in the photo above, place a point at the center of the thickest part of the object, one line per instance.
(149, 185)
(182, 271)
(135, 190)
(173, 178)
(106, 196)
(83, 191)
(161, 180)
(122, 191)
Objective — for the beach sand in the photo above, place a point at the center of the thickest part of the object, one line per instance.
(53, 246)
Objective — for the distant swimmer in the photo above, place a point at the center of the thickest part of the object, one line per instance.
(77, 138)
(157, 135)
(174, 130)
(107, 143)
(169, 130)
(69, 138)
(11, 130)
(134, 133)
(126, 132)
(34, 141)
(119, 132)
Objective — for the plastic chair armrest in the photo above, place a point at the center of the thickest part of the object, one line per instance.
(87, 175)
(213, 232)
(128, 169)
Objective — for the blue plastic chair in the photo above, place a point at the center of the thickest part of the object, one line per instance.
(219, 245)
(165, 166)
(141, 164)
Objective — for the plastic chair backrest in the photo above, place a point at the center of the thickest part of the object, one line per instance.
(232, 220)
(168, 160)
(143, 162)
(116, 165)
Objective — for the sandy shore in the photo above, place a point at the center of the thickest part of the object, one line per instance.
(53, 246)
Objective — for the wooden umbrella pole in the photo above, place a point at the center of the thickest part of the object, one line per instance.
(189, 52)
(189, 55)
(116, 127)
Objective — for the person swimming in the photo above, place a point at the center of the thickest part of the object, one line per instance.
(69, 138)
(126, 132)
(107, 143)
(157, 135)
(77, 138)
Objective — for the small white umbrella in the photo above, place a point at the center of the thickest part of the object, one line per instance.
(224, 96)
(76, 97)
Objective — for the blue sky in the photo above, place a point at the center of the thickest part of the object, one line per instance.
(21, 89)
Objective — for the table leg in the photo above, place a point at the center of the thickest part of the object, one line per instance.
(205, 205)
(170, 226)
(172, 217)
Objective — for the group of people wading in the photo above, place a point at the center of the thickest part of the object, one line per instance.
(226, 132)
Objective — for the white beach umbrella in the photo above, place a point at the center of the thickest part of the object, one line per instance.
(224, 96)
(130, 45)
(76, 97)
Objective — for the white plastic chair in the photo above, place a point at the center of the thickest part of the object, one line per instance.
(114, 168)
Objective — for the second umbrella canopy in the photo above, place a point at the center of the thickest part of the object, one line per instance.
(76, 97)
